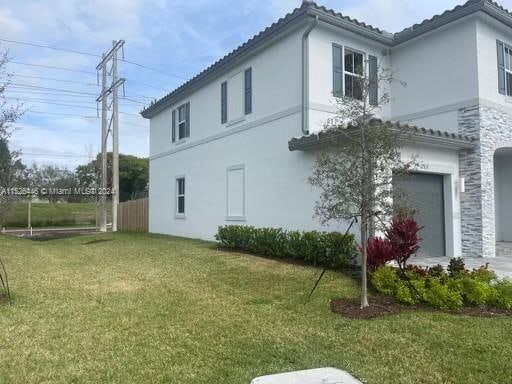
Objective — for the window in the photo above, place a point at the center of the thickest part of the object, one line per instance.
(248, 90)
(181, 122)
(504, 69)
(354, 69)
(224, 102)
(180, 196)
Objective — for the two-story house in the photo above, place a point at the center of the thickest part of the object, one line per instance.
(236, 143)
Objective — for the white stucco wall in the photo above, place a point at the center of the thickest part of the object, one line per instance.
(440, 72)
(276, 81)
(277, 191)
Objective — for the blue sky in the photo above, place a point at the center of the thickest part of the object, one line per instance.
(176, 36)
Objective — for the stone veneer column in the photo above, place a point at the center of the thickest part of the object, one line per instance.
(493, 129)
(471, 200)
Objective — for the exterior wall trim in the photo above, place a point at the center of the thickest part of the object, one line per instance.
(233, 131)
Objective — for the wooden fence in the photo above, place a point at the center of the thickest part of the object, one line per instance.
(134, 216)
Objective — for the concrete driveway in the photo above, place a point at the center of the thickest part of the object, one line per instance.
(502, 265)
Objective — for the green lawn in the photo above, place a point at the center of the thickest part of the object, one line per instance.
(155, 309)
(52, 215)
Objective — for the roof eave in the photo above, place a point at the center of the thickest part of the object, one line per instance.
(226, 63)
(383, 37)
(437, 139)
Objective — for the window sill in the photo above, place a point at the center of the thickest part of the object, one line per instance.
(181, 141)
(180, 216)
(236, 218)
(234, 122)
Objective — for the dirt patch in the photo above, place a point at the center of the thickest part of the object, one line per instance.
(381, 305)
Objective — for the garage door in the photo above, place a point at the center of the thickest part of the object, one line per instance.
(426, 193)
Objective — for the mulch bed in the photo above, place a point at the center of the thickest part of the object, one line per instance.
(381, 305)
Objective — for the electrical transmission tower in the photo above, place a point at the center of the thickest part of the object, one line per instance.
(109, 99)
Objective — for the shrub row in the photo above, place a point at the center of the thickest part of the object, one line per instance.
(450, 289)
(328, 249)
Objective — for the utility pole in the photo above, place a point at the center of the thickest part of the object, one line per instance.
(115, 139)
(104, 123)
(107, 92)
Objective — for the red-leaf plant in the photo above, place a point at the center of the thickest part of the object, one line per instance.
(403, 236)
(380, 251)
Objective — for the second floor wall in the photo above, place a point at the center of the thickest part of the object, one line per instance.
(451, 67)
(276, 75)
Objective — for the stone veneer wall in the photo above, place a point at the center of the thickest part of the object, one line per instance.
(493, 128)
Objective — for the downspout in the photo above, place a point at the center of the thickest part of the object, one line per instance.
(305, 76)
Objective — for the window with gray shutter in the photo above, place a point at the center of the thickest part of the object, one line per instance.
(224, 102)
(248, 90)
(187, 120)
(373, 91)
(501, 68)
(173, 125)
(504, 69)
(183, 121)
(337, 71)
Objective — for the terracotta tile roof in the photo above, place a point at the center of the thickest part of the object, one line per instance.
(417, 135)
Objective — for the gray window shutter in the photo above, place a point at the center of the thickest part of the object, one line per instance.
(187, 120)
(501, 68)
(174, 126)
(224, 102)
(248, 91)
(373, 77)
(337, 71)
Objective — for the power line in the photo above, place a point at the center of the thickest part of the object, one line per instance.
(52, 67)
(59, 104)
(63, 114)
(54, 79)
(42, 93)
(154, 69)
(18, 85)
(146, 85)
(56, 154)
(92, 54)
(49, 47)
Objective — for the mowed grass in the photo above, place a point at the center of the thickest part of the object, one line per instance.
(52, 215)
(137, 308)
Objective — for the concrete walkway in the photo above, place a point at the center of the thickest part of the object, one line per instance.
(502, 265)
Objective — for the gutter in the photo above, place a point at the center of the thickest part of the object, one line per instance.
(305, 76)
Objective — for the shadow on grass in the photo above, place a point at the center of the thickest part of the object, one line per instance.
(96, 241)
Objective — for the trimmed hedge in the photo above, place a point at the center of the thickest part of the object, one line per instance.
(327, 249)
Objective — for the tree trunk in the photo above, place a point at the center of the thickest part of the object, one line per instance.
(364, 243)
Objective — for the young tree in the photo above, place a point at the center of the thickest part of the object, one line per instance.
(11, 168)
(355, 174)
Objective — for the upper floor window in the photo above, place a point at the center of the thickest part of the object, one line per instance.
(181, 122)
(224, 102)
(248, 90)
(354, 70)
(504, 69)
(349, 71)
(236, 97)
